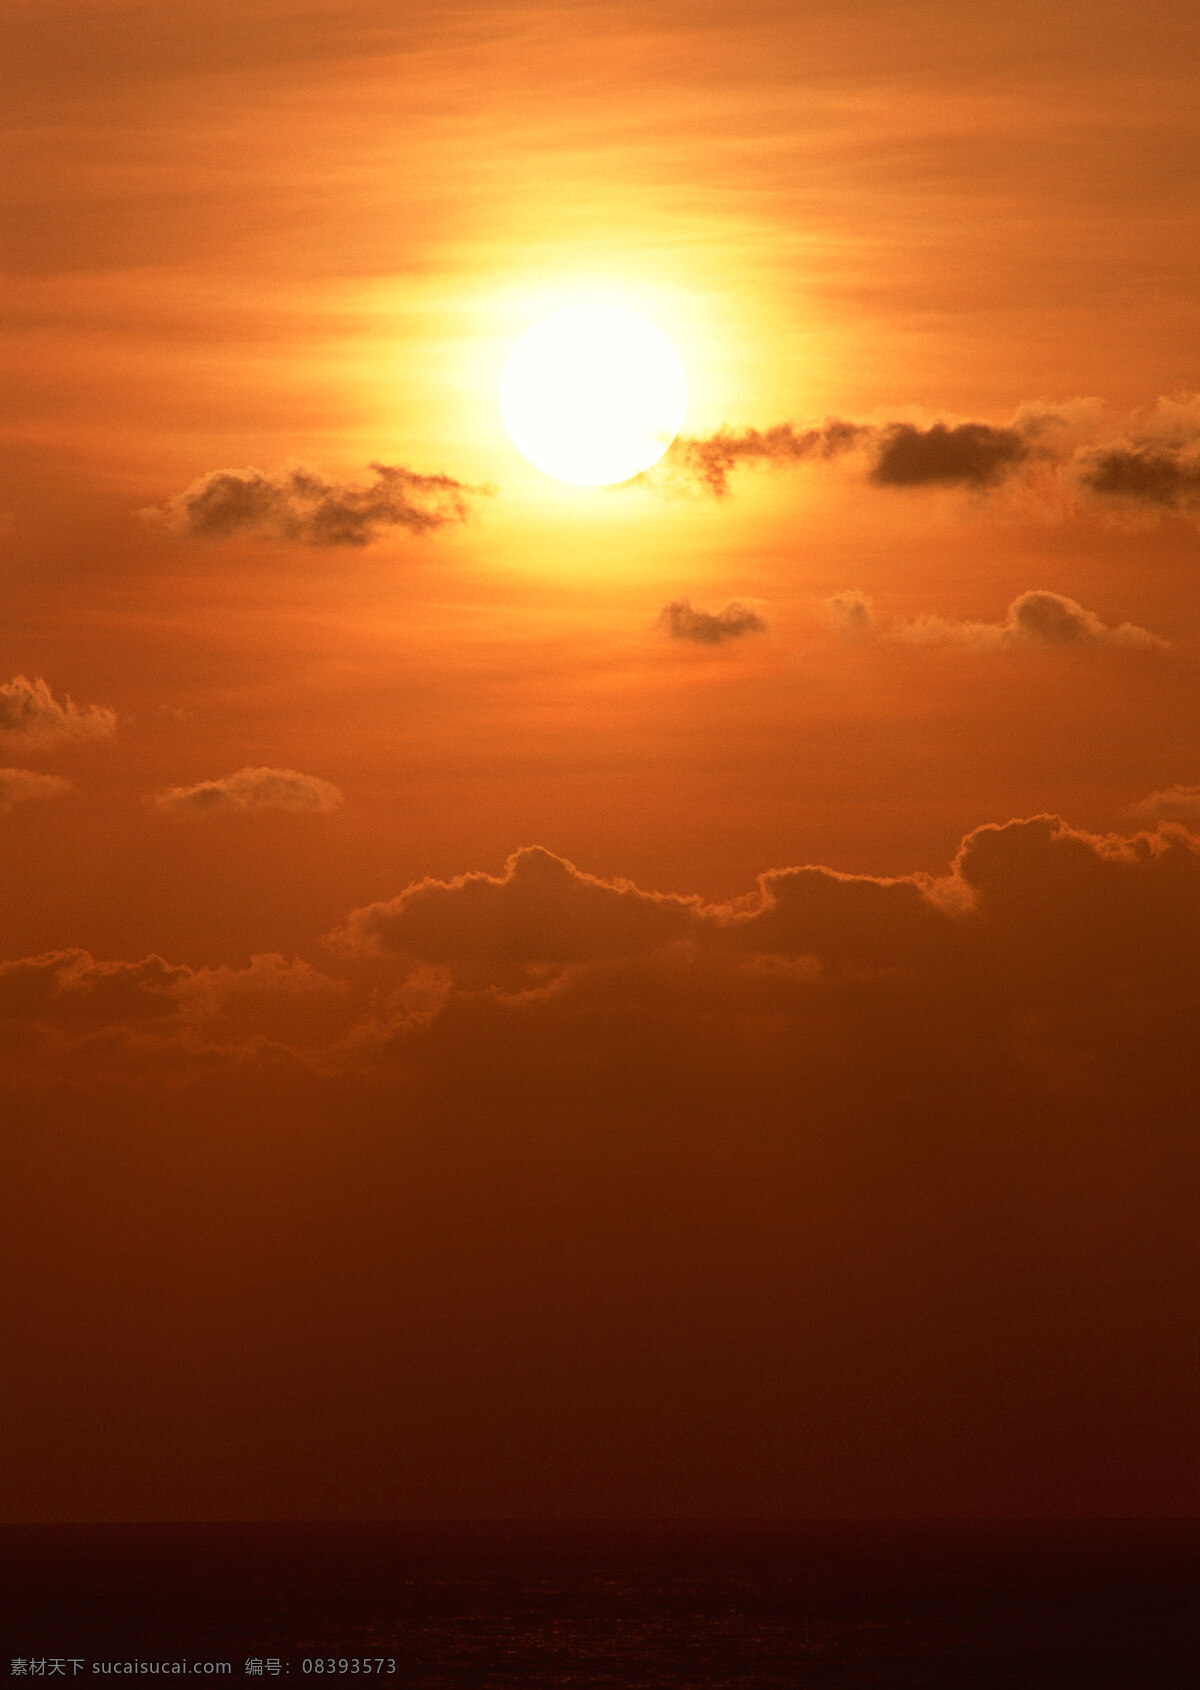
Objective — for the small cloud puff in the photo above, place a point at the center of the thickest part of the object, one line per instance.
(684, 622)
(296, 503)
(251, 789)
(22, 786)
(1173, 804)
(1037, 618)
(31, 718)
(851, 613)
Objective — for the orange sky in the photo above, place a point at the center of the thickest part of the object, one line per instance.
(872, 1204)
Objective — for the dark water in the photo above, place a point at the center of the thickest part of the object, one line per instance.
(1093, 1605)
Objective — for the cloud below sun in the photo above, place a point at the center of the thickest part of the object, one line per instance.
(1037, 618)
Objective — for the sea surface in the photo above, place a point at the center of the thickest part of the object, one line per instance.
(701, 1606)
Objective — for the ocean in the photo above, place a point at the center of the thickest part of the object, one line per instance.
(686, 1605)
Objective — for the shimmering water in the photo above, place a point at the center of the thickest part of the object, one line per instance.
(1094, 1605)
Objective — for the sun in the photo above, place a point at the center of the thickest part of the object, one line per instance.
(593, 394)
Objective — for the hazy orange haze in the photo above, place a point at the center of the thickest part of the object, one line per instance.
(436, 1084)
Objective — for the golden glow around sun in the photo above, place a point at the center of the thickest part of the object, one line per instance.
(593, 394)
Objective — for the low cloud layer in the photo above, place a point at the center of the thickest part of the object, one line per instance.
(296, 503)
(251, 789)
(1036, 618)
(32, 719)
(541, 1159)
(683, 621)
(23, 786)
(811, 971)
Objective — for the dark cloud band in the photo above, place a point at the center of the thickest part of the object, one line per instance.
(1035, 618)
(1155, 462)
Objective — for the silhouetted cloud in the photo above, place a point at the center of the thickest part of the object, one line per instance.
(1053, 619)
(967, 454)
(1065, 449)
(1148, 474)
(541, 909)
(564, 991)
(1037, 618)
(31, 718)
(70, 985)
(22, 786)
(296, 503)
(251, 789)
(1173, 804)
(709, 459)
(684, 622)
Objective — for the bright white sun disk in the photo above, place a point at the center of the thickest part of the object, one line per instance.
(593, 394)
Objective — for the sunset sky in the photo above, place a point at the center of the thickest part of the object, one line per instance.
(675, 998)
